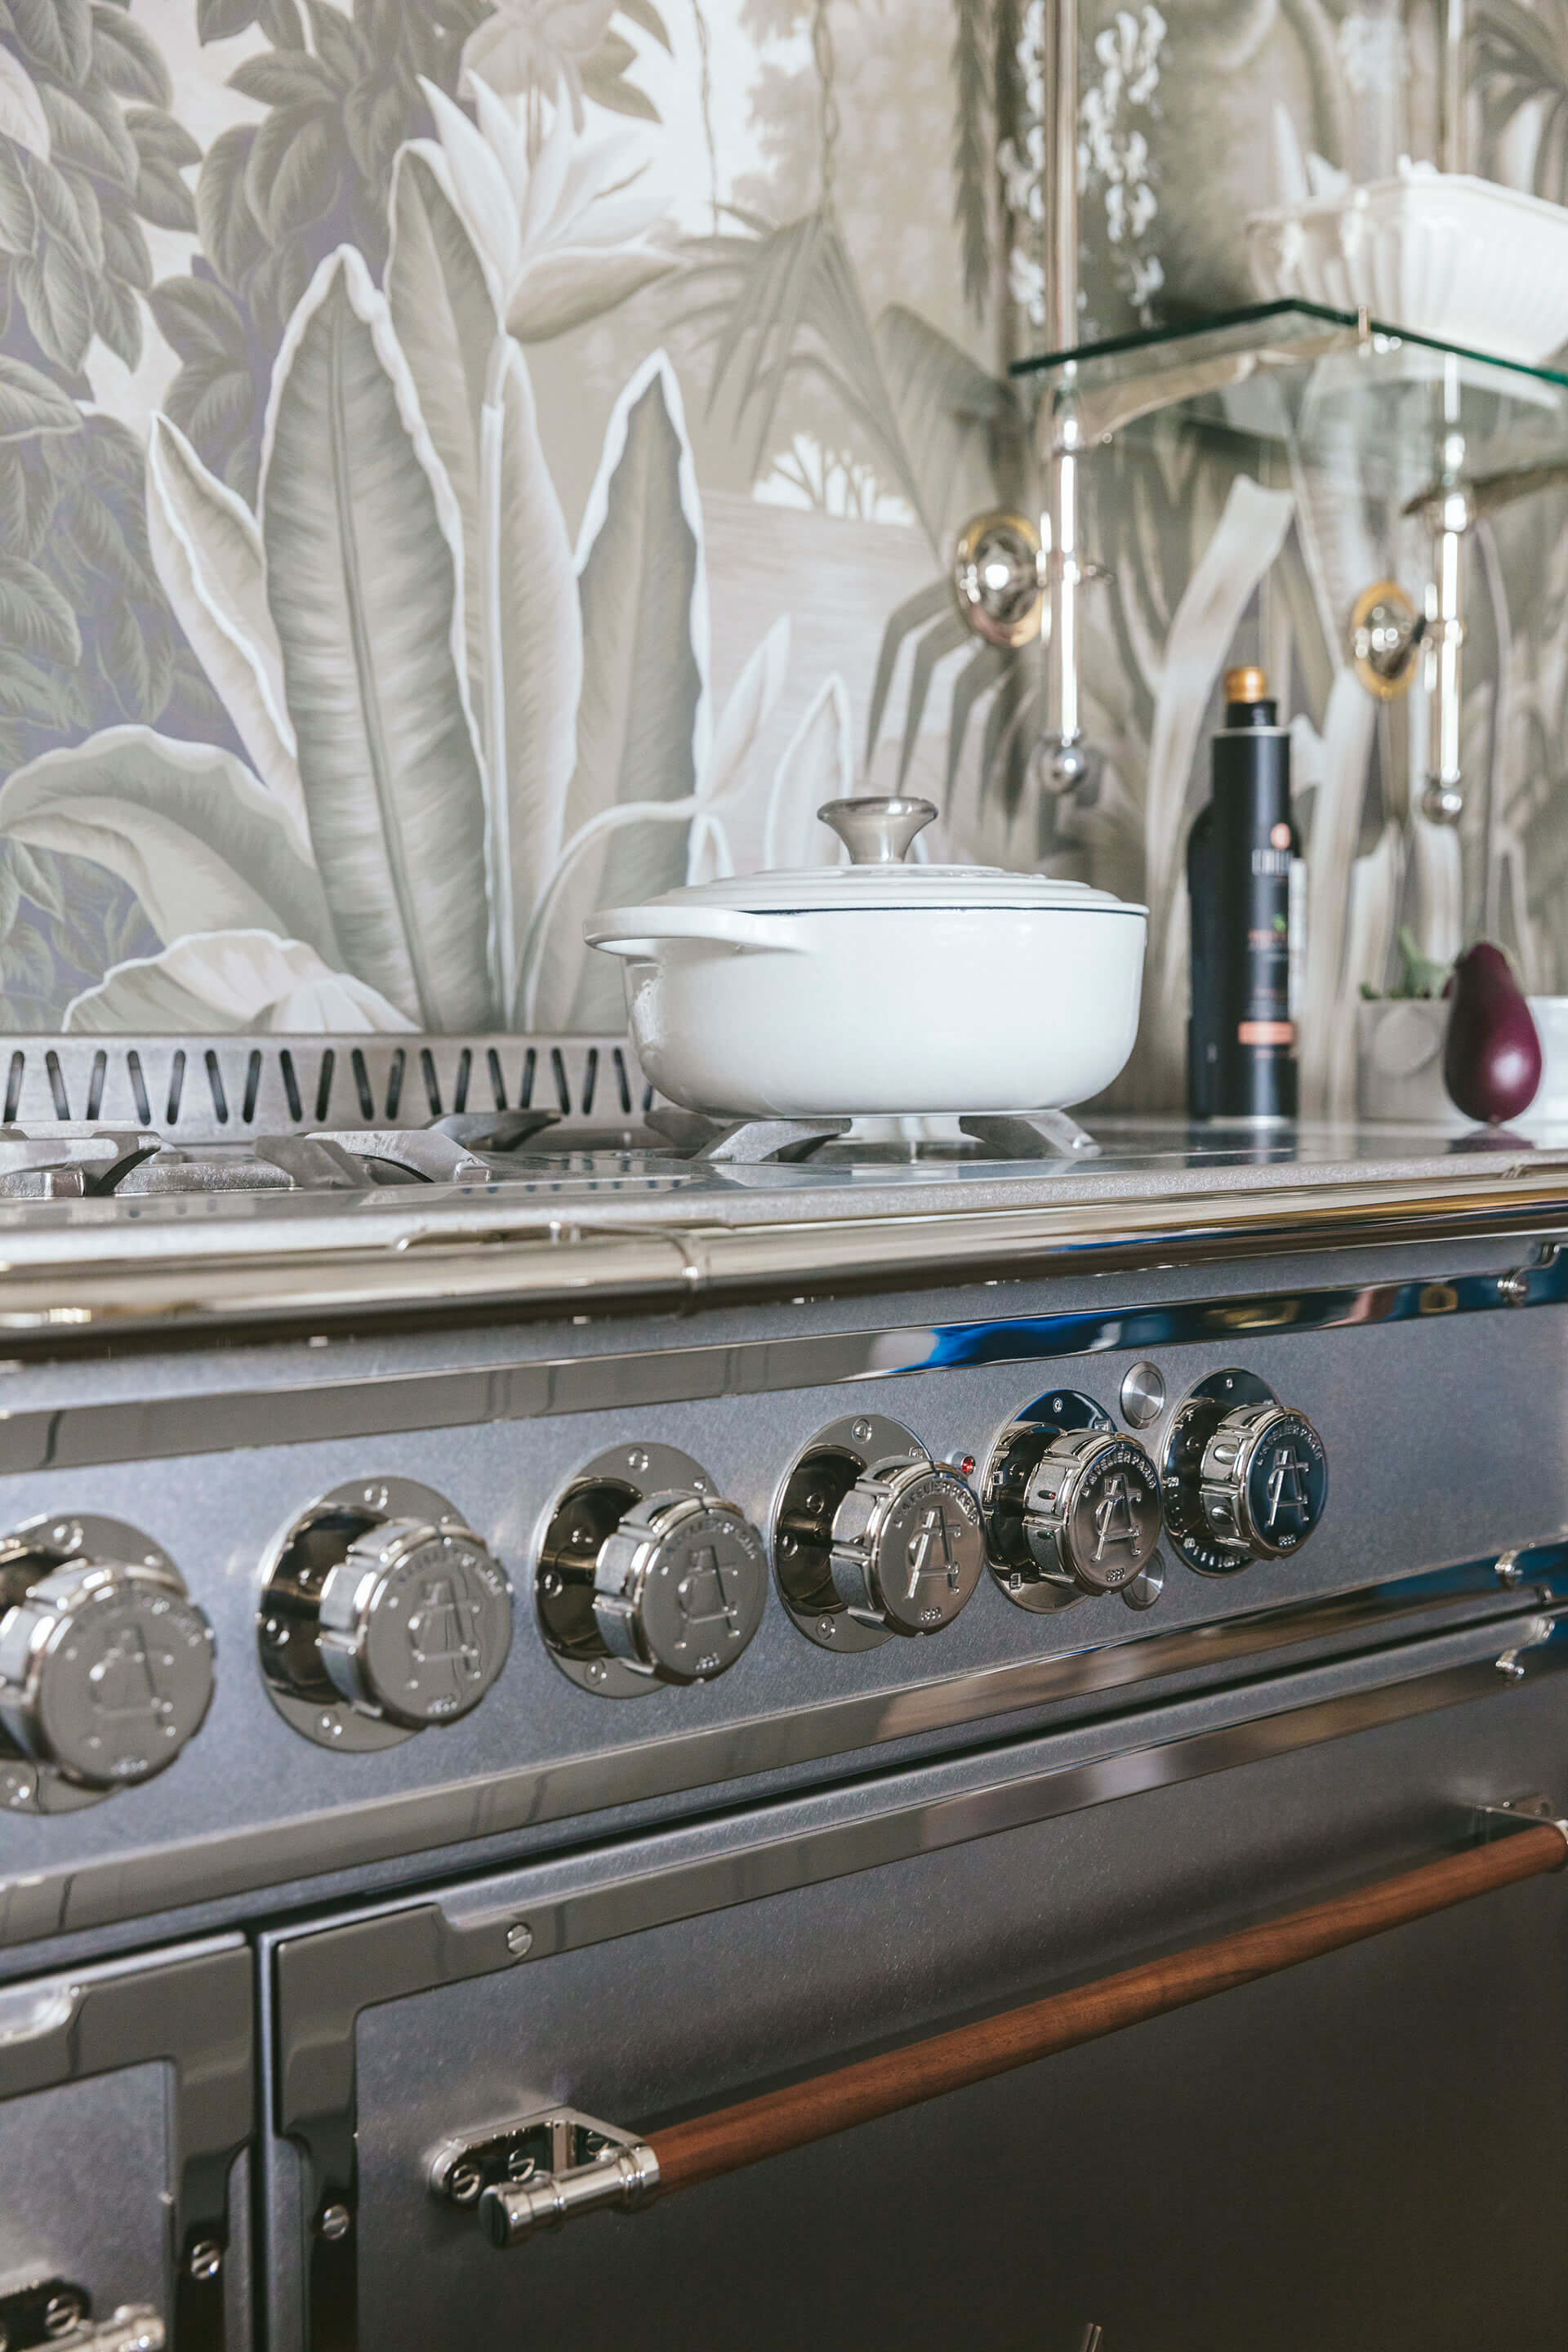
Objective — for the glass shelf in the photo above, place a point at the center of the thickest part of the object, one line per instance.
(1361, 401)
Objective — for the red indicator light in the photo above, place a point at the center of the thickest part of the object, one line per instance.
(967, 1465)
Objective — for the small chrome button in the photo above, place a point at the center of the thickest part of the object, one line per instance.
(106, 1663)
(646, 1575)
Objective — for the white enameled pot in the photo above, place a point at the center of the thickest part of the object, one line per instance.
(880, 987)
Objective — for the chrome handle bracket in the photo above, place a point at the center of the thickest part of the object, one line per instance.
(543, 2170)
(1529, 1813)
(57, 2311)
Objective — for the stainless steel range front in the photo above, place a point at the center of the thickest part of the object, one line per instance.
(520, 1634)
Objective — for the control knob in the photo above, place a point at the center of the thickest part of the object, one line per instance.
(1263, 1481)
(1246, 1478)
(414, 1623)
(646, 1575)
(383, 1614)
(908, 1547)
(106, 1663)
(1091, 1517)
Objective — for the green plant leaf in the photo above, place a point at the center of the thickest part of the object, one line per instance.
(27, 501)
(569, 284)
(55, 35)
(21, 116)
(207, 551)
(89, 215)
(117, 320)
(31, 404)
(644, 12)
(232, 237)
(817, 766)
(282, 22)
(220, 20)
(926, 605)
(34, 615)
(293, 79)
(57, 298)
(338, 46)
(125, 250)
(128, 57)
(18, 213)
(620, 96)
(185, 825)
(85, 127)
(245, 982)
(364, 578)
(643, 713)
(200, 321)
(294, 172)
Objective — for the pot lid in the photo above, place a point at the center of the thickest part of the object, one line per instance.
(877, 833)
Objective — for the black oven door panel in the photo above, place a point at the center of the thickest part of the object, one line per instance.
(1335, 2156)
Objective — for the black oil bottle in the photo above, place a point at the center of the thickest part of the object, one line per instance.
(1241, 1043)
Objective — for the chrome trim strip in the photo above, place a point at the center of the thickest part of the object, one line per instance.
(72, 1437)
(94, 1894)
(467, 1253)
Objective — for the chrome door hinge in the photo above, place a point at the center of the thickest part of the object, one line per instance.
(542, 2171)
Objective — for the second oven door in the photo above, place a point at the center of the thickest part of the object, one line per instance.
(1334, 2155)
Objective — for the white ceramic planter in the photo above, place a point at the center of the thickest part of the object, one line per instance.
(879, 989)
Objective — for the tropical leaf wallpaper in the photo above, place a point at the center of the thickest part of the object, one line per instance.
(464, 461)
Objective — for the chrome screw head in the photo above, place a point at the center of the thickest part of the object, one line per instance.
(519, 1939)
(206, 2258)
(334, 2223)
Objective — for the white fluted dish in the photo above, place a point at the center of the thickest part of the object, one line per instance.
(1441, 254)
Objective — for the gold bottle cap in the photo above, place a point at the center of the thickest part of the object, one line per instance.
(1249, 685)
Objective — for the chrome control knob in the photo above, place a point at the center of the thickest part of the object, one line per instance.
(646, 1575)
(1263, 1481)
(414, 1623)
(908, 1547)
(106, 1666)
(1091, 1517)
(679, 1586)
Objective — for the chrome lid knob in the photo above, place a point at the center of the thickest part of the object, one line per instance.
(679, 1586)
(414, 1623)
(877, 830)
(1091, 1511)
(908, 1547)
(105, 1671)
(1263, 1481)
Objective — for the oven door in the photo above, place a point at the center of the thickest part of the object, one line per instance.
(127, 2097)
(1328, 2154)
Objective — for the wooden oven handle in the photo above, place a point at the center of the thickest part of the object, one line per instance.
(744, 2134)
(598, 2166)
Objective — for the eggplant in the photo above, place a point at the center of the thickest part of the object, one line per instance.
(1491, 1055)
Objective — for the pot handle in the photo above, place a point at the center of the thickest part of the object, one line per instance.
(633, 931)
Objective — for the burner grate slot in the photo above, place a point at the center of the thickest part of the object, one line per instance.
(57, 1084)
(177, 1088)
(95, 1084)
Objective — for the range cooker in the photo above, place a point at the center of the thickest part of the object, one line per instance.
(554, 1658)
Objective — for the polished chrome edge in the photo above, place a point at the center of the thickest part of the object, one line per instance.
(327, 1976)
(73, 1437)
(96, 1894)
(463, 1252)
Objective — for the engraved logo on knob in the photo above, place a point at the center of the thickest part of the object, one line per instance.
(108, 1672)
(1287, 1483)
(927, 1555)
(1092, 1510)
(682, 1586)
(416, 1623)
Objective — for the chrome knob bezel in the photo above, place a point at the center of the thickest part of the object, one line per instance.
(1039, 1470)
(326, 1579)
(607, 1557)
(1232, 1460)
(369, 1612)
(907, 1547)
(71, 1585)
(1059, 1499)
(1213, 1446)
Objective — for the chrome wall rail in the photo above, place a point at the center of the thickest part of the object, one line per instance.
(224, 1089)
